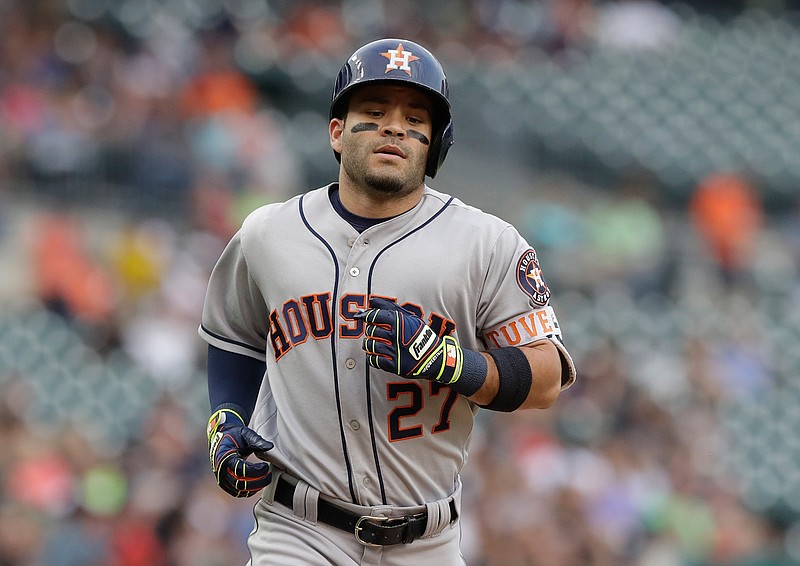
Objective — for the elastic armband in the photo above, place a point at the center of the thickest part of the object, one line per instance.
(515, 379)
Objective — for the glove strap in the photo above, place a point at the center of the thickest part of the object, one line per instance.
(452, 361)
(464, 371)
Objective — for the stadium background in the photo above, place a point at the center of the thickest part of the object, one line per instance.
(647, 149)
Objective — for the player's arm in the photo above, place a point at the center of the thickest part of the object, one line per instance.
(504, 379)
(233, 326)
(537, 386)
(233, 384)
(234, 379)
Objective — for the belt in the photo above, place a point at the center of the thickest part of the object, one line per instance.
(369, 530)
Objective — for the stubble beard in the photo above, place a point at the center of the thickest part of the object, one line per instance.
(389, 184)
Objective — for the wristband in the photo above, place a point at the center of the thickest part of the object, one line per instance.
(473, 374)
(515, 379)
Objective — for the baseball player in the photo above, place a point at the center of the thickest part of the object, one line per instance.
(355, 331)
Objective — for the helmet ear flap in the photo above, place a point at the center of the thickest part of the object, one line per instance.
(439, 147)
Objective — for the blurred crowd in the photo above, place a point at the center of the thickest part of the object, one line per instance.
(134, 137)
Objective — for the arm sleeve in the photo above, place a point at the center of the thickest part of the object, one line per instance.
(234, 378)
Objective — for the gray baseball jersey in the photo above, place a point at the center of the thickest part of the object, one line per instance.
(286, 290)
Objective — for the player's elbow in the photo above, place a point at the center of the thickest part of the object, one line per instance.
(548, 393)
(546, 385)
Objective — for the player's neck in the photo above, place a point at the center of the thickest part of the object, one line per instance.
(373, 204)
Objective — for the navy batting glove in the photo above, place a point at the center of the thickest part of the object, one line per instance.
(398, 341)
(230, 442)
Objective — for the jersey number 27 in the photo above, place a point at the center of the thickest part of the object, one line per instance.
(413, 393)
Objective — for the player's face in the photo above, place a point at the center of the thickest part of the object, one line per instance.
(385, 137)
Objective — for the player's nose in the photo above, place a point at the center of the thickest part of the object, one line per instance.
(393, 124)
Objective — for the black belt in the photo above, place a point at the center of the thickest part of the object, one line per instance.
(369, 530)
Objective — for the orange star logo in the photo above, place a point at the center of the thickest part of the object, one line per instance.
(399, 59)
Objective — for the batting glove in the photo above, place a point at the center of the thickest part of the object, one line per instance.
(398, 341)
(230, 442)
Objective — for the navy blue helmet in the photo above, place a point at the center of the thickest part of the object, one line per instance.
(403, 62)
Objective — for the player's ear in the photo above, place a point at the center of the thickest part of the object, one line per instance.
(335, 129)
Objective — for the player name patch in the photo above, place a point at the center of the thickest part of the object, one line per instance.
(535, 325)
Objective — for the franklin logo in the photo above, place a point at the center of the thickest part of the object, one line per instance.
(399, 59)
(422, 343)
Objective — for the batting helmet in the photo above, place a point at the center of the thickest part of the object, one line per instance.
(403, 62)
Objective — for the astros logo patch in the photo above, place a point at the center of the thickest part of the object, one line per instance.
(530, 279)
(399, 59)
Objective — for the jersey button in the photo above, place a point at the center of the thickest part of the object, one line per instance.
(367, 481)
(355, 425)
(350, 363)
(351, 242)
(354, 271)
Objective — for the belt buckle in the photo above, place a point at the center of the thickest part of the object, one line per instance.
(359, 528)
(374, 521)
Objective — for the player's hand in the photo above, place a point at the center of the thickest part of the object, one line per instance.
(398, 341)
(230, 442)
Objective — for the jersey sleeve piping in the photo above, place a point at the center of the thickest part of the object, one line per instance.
(231, 345)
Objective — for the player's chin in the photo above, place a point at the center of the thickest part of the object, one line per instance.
(390, 180)
(387, 183)
(386, 180)
(394, 189)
